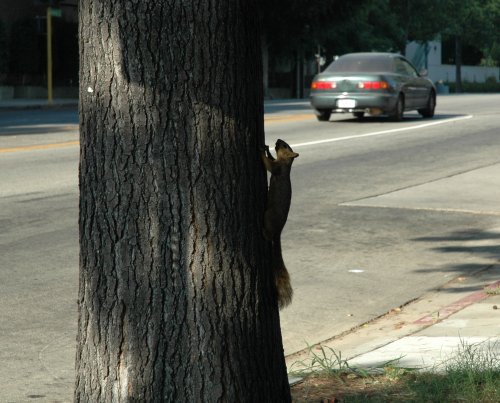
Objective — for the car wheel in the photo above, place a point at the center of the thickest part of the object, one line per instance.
(399, 109)
(428, 111)
(323, 115)
(359, 115)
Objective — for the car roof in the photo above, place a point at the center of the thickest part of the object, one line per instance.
(360, 55)
(363, 62)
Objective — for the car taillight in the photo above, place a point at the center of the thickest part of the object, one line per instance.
(323, 85)
(373, 85)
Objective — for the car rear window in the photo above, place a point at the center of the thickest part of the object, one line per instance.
(361, 64)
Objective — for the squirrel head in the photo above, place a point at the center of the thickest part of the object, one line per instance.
(284, 151)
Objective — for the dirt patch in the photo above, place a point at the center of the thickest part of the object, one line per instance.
(351, 388)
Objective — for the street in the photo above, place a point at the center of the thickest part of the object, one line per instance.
(376, 221)
(382, 212)
(38, 254)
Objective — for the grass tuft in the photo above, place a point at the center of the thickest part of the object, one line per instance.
(472, 375)
(493, 291)
(325, 361)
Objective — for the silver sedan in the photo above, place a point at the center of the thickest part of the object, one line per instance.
(373, 83)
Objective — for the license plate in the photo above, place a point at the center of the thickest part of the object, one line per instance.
(346, 103)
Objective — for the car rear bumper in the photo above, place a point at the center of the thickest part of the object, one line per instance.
(364, 102)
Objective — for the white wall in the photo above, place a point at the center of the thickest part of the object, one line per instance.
(434, 56)
(478, 74)
(446, 72)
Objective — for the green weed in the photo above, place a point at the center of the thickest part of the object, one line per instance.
(493, 291)
(320, 362)
(472, 376)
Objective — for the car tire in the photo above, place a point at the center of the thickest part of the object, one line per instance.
(359, 115)
(323, 115)
(399, 109)
(428, 111)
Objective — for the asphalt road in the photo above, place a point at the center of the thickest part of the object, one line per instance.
(381, 213)
(38, 255)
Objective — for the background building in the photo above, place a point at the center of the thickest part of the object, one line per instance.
(23, 47)
(438, 60)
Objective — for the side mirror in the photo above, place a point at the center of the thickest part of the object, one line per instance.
(423, 73)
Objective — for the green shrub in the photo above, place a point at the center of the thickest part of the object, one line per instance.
(490, 85)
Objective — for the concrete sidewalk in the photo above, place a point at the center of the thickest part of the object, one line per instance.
(427, 333)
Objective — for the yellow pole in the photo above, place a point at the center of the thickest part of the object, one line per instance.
(49, 55)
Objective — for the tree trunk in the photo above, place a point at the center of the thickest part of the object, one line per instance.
(176, 298)
(265, 66)
(299, 73)
(458, 64)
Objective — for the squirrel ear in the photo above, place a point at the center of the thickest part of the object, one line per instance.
(295, 155)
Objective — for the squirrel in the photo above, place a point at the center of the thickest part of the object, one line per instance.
(278, 204)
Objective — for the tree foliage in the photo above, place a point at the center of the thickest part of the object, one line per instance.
(470, 22)
(417, 20)
(305, 24)
(379, 25)
(474, 21)
(3, 51)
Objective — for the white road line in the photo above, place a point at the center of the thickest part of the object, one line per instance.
(435, 209)
(383, 132)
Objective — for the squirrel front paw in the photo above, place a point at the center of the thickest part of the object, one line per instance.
(267, 152)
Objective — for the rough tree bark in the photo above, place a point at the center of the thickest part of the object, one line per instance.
(176, 299)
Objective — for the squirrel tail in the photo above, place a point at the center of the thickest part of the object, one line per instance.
(281, 277)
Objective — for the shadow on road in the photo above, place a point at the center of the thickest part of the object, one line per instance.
(409, 117)
(483, 244)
